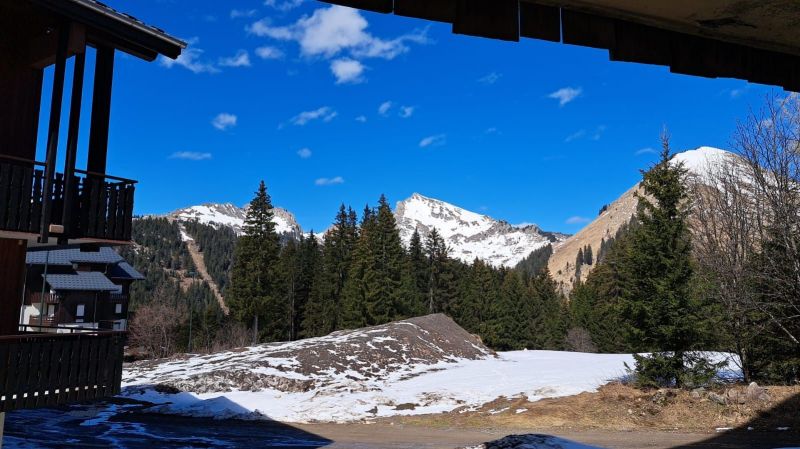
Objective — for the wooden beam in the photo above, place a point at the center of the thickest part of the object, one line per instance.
(12, 280)
(497, 19)
(72, 143)
(438, 10)
(53, 128)
(101, 110)
(382, 6)
(540, 21)
(587, 30)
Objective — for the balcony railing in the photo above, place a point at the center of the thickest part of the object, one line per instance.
(101, 206)
(45, 370)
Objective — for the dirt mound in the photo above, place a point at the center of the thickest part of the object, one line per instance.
(344, 359)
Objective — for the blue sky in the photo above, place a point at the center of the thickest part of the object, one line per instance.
(332, 105)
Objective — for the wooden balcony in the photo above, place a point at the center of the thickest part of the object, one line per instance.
(45, 370)
(94, 207)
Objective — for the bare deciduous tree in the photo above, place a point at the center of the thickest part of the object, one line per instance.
(154, 326)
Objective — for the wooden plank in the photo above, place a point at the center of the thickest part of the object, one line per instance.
(498, 19)
(540, 21)
(642, 44)
(57, 365)
(5, 364)
(83, 365)
(102, 380)
(438, 10)
(43, 373)
(74, 369)
(23, 364)
(92, 367)
(382, 6)
(113, 211)
(27, 195)
(94, 197)
(36, 205)
(14, 198)
(588, 30)
(127, 219)
(5, 186)
(102, 211)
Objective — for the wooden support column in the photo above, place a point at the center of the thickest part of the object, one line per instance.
(72, 142)
(2, 424)
(53, 128)
(101, 109)
(12, 283)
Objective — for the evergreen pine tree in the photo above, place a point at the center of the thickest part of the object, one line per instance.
(657, 269)
(254, 295)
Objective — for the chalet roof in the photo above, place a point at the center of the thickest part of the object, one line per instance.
(127, 32)
(69, 256)
(758, 41)
(124, 270)
(91, 281)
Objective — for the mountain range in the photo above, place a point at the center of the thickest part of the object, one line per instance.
(470, 235)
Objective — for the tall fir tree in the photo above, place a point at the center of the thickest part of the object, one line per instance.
(656, 271)
(254, 292)
(324, 308)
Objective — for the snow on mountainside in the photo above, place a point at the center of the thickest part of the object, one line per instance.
(417, 366)
(470, 235)
(467, 234)
(698, 162)
(227, 214)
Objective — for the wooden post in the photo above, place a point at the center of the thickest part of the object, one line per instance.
(101, 109)
(12, 283)
(2, 424)
(72, 143)
(53, 128)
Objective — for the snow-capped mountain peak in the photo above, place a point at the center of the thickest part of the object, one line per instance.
(468, 234)
(700, 160)
(227, 214)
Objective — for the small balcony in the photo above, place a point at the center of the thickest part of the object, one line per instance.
(50, 369)
(98, 207)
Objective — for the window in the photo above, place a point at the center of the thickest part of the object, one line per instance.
(51, 310)
(81, 311)
(118, 309)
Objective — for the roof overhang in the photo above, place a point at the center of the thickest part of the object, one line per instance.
(758, 41)
(104, 24)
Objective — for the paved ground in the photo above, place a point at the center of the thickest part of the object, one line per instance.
(385, 436)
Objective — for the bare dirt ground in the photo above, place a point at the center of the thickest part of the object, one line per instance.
(617, 416)
(405, 436)
(200, 263)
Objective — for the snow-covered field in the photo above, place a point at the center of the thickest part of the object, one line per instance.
(441, 387)
(418, 366)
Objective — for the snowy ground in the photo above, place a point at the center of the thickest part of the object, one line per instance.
(418, 366)
(441, 387)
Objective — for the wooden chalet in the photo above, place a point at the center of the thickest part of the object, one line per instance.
(43, 204)
(67, 289)
(757, 41)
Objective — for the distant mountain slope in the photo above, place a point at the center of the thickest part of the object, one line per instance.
(227, 214)
(470, 235)
(562, 262)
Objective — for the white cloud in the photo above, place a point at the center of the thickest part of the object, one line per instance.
(240, 59)
(575, 136)
(331, 32)
(566, 95)
(598, 132)
(647, 150)
(329, 181)
(433, 141)
(269, 52)
(283, 5)
(492, 130)
(577, 220)
(384, 108)
(407, 111)
(347, 71)
(238, 13)
(190, 59)
(224, 121)
(361, 119)
(325, 113)
(190, 155)
(304, 153)
(490, 78)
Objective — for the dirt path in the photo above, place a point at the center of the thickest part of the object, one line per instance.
(398, 436)
(200, 263)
